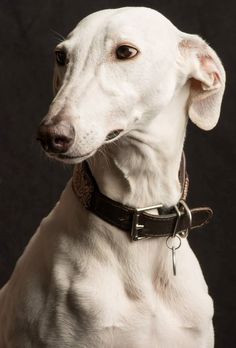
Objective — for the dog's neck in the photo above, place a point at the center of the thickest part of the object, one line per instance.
(141, 168)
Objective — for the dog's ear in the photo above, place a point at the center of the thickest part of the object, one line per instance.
(207, 81)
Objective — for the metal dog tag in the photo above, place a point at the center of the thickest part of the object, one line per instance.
(170, 242)
(173, 260)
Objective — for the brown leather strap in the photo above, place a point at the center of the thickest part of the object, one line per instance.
(140, 224)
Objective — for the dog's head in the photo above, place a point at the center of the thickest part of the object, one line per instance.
(116, 71)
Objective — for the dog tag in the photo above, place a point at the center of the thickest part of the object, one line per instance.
(173, 260)
(173, 243)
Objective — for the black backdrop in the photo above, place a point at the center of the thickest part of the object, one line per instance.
(30, 184)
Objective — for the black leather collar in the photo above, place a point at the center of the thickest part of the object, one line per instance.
(176, 220)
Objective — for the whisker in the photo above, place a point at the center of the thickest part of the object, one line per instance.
(58, 36)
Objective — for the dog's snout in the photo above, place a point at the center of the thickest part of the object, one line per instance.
(56, 138)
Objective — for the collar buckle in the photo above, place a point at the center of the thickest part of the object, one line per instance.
(136, 226)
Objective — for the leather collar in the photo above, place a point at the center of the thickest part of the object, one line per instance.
(176, 220)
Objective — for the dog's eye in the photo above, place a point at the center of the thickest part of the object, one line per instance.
(126, 52)
(61, 57)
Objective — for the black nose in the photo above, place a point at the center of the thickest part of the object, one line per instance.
(56, 138)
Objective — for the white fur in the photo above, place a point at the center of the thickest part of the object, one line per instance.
(81, 282)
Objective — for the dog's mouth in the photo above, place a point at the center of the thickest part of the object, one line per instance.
(71, 159)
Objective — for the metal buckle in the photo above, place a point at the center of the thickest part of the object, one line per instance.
(135, 222)
(183, 234)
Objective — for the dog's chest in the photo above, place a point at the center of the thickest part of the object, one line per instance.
(105, 311)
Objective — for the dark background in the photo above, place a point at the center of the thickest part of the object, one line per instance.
(30, 184)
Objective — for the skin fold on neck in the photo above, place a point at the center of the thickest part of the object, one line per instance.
(141, 168)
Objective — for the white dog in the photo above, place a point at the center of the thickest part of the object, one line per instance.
(127, 75)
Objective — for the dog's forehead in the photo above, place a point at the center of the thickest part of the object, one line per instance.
(126, 22)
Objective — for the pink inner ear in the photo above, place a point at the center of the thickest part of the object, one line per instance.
(206, 61)
(209, 66)
(217, 76)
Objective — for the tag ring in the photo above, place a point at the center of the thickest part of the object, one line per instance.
(171, 247)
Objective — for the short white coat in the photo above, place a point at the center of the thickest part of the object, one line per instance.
(81, 282)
